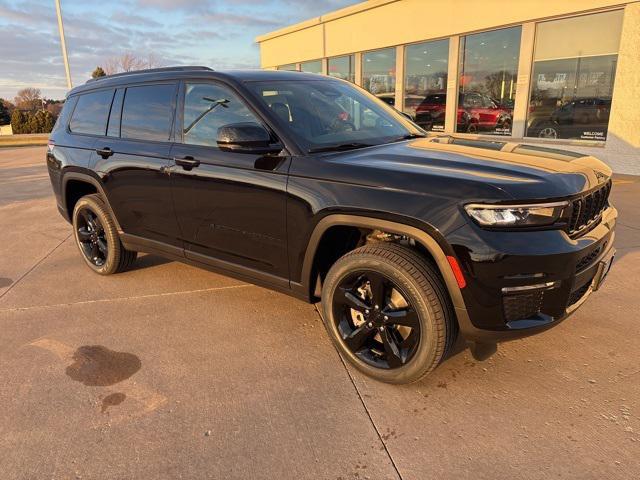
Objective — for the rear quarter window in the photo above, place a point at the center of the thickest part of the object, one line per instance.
(147, 113)
(91, 113)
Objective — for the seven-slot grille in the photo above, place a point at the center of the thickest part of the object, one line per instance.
(587, 209)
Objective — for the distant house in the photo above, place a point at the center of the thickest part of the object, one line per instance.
(6, 130)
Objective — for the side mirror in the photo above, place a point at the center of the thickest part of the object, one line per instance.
(246, 137)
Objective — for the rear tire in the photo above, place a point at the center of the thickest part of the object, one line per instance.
(97, 237)
(365, 328)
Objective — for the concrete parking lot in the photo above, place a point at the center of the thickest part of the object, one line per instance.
(168, 371)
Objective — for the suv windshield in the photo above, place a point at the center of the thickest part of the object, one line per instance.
(326, 115)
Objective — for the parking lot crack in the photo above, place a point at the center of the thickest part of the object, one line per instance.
(34, 266)
(364, 405)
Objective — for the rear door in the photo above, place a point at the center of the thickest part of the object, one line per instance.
(133, 159)
(230, 206)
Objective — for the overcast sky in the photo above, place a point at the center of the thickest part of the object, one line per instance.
(216, 33)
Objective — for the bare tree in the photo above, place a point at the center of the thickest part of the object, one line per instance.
(28, 99)
(129, 61)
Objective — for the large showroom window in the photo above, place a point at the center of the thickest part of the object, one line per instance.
(425, 83)
(313, 66)
(573, 74)
(290, 66)
(379, 74)
(487, 83)
(343, 67)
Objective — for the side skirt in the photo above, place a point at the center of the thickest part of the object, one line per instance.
(244, 274)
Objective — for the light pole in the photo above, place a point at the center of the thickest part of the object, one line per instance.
(63, 44)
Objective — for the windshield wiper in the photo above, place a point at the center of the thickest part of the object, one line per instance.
(340, 147)
(408, 137)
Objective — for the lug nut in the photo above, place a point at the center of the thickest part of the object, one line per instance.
(370, 324)
(381, 329)
(376, 307)
(386, 318)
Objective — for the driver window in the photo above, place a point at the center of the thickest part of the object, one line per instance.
(207, 107)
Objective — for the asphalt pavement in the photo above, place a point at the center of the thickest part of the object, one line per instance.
(167, 372)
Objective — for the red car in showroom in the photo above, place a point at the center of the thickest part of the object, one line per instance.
(476, 113)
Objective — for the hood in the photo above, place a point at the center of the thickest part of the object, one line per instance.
(504, 170)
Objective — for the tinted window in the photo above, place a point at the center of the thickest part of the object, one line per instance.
(379, 74)
(207, 107)
(425, 83)
(342, 67)
(573, 76)
(63, 118)
(488, 77)
(314, 66)
(147, 113)
(91, 113)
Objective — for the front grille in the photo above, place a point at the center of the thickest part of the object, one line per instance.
(588, 208)
(585, 261)
(523, 305)
(578, 293)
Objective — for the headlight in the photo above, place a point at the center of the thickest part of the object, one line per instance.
(539, 215)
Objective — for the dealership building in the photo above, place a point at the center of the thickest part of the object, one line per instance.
(562, 73)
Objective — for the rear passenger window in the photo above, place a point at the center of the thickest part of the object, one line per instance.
(91, 113)
(147, 113)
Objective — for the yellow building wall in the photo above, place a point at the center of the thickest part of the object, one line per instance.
(382, 23)
(624, 120)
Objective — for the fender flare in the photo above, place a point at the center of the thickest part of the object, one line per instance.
(420, 236)
(87, 178)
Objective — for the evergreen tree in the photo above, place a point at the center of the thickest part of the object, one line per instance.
(98, 72)
(17, 122)
(5, 118)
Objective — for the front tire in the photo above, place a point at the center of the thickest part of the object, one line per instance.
(388, 312)
(97, 237)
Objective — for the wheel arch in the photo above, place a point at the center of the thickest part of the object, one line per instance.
(424, 239)
(70, 179)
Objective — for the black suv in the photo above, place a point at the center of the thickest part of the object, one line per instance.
(311, 186)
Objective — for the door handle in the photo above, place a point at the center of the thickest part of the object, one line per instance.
(187, 162)
(105, 152)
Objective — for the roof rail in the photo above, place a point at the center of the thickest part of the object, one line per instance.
(153, 70)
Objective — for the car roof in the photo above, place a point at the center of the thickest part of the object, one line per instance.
(176, 73)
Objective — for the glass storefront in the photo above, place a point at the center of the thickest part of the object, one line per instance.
(571, 83)
(379, 74)
(487, 81)
(573, 76)
(313, 66)
(425, 83)
(343, 67)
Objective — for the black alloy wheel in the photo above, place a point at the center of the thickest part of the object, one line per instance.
(97, 237)
(91, 237)
(375, 320)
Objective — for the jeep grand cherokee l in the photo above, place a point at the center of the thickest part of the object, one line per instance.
(311, 186)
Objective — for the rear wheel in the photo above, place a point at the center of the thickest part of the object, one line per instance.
(97, 237)
(387, 310)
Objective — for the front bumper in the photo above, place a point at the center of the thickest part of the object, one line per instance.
(522, 283)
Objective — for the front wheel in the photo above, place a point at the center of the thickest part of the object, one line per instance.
(97, 237)
(388, 312)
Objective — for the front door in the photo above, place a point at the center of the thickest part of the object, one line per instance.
(231, 207)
